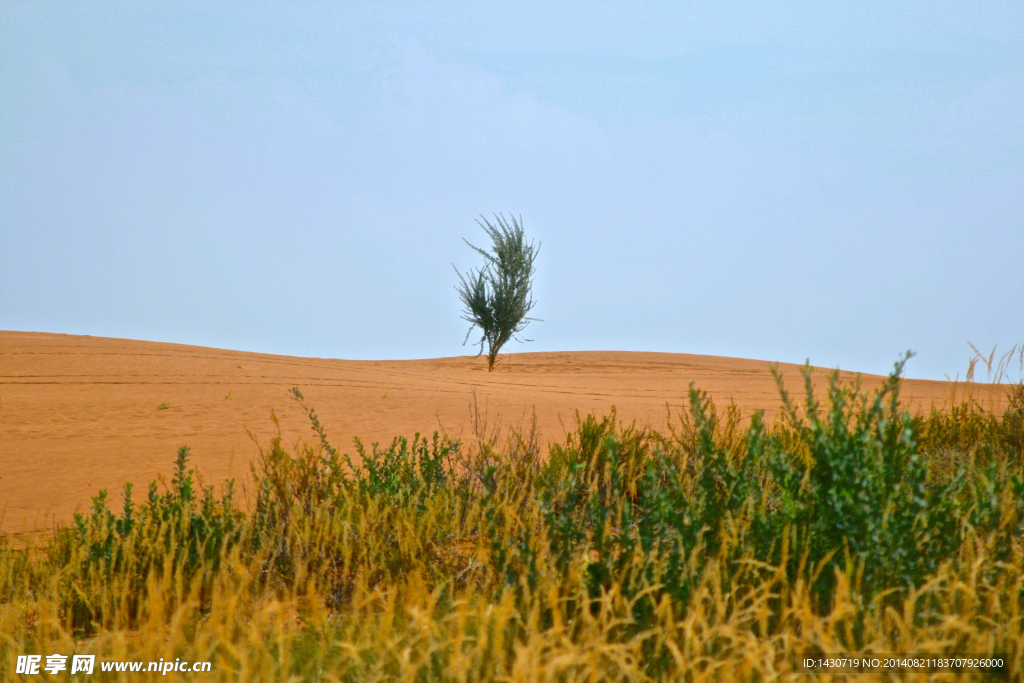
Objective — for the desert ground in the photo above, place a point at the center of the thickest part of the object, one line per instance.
(79, 414)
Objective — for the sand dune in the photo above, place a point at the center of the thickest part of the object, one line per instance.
(78, 414)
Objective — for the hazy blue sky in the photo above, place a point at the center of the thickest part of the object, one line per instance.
(833, 181)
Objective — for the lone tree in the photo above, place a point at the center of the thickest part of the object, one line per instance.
(497, 296)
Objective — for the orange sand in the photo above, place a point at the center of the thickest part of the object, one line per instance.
(79, 414)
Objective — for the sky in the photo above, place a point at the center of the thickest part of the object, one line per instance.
(787, 181)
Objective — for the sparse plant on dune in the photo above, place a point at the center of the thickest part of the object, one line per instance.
(497, 297)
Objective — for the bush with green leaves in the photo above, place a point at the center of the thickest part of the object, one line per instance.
(848, 486)
(180, 536)
(852, 482)
(497, 297)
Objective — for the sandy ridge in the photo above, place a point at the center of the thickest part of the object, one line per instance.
(79, 413)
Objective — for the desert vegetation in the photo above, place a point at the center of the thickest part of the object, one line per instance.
(497, 297)
(719, 550)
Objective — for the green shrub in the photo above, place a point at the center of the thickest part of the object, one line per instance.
(181, 535)
(497, 297)
(858, 490)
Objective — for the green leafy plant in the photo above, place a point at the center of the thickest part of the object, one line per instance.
(184, 532)
(859, 489)
(497, 296)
